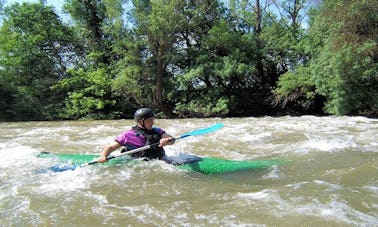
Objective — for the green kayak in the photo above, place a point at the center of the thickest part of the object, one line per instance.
(205, 165)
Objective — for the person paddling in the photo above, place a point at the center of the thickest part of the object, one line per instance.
(142, 134)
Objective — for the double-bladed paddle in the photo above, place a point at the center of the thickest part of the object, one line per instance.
(192, 133)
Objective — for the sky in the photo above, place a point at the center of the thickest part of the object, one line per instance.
(58, 4)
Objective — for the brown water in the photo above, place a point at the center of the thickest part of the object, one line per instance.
(331, 179)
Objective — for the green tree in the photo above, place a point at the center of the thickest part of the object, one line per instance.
(35, 50)
(88, 94)
(89, 16)
(222, 73)
(283, 33)
(143, 72)
(88, 84)
(237, 60)
(196, 63)
(343, 68)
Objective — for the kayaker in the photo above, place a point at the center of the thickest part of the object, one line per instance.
(142, 134)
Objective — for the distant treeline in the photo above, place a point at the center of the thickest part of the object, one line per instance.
(192, 58)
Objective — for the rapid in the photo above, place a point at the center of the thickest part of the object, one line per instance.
(330, 177)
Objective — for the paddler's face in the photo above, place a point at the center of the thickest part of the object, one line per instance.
(148, 123)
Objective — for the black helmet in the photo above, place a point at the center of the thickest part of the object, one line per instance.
(143, 114)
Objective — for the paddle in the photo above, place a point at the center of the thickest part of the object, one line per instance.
(192, 133)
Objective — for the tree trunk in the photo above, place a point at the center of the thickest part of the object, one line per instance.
(159, 99)
(159, 81)
(259, 57)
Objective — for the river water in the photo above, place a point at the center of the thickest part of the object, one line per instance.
(330, 179)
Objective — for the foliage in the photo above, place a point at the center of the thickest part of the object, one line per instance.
(132, 82)
(35, 50)
(221, 71)
(201, 58)
(343, 67)
(88, 85)
(157, 24)
(88, 94)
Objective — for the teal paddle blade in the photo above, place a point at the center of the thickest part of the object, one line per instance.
(203, 131)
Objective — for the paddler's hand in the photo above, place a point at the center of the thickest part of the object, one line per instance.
(166, 141)
(107, 150)
(101, 159)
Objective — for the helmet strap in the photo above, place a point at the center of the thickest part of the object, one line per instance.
(141, 124)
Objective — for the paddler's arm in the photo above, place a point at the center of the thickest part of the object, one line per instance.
(166, 139)
(107, 150)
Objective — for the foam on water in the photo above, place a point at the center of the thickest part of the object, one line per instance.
(335, 209)
(329, 180)
(373, 189)
(15, 155)
(328, 144)
(98, 129)
(64, 181)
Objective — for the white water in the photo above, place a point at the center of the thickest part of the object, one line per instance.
(331, 179)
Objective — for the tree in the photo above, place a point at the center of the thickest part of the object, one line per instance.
(156, 25)
(197, 62)
(35, 50)
(89, 16)
(221, 75)
(343, 68)
(88, 84)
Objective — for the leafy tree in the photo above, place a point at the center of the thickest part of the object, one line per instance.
(88, 94)
(197, 62)
(343, 68)
(35, 50)
(143, 72)
(89, 16)
(283, 33)
(221, 73)
(188, 58)
(88, 85)
(229, 66)
(133, 83)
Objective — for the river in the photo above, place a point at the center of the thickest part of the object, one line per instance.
(330, 177)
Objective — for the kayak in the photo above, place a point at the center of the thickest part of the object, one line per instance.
(205, 165)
